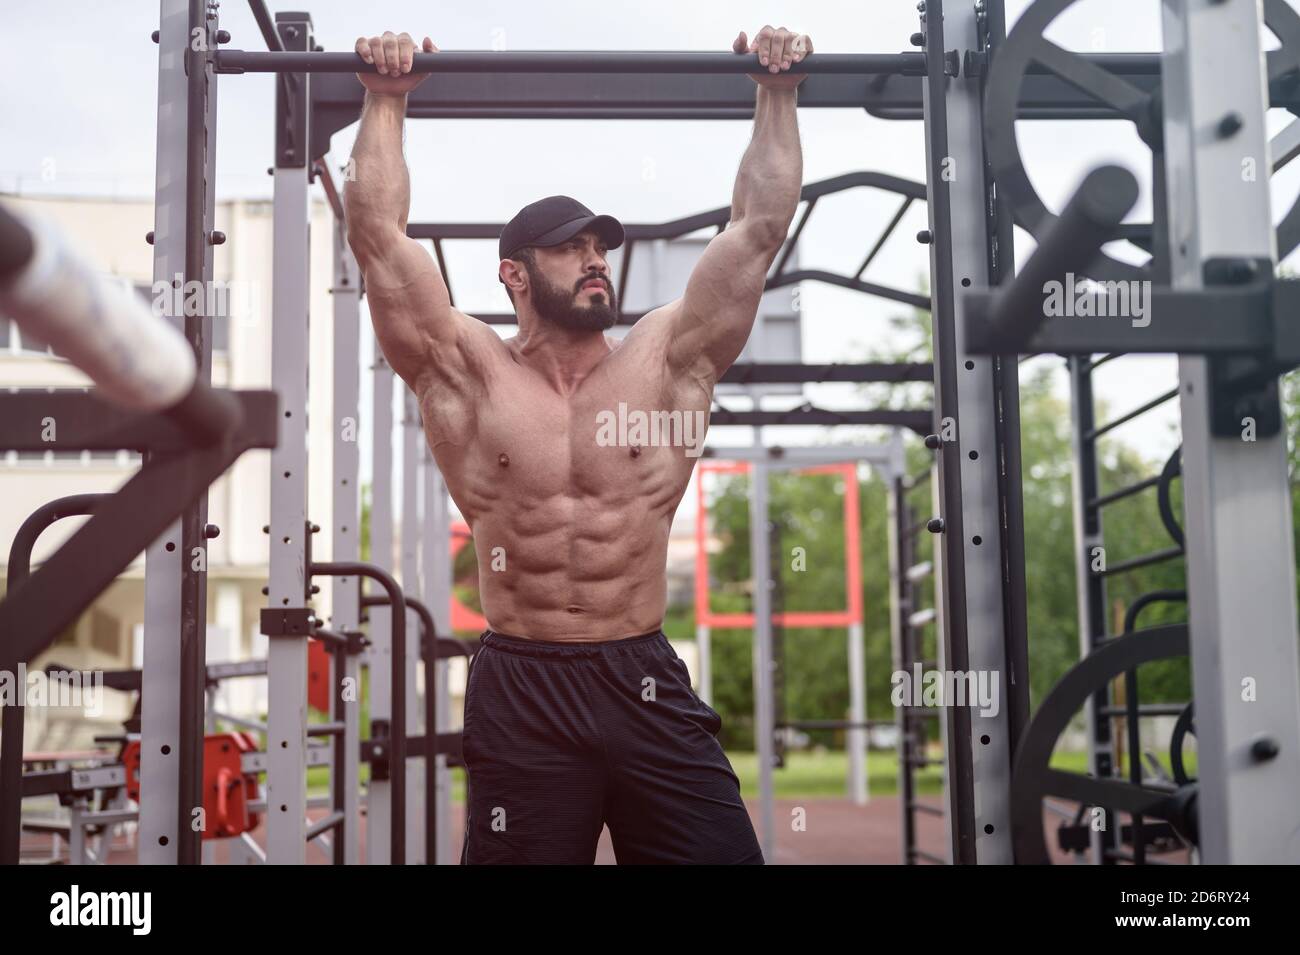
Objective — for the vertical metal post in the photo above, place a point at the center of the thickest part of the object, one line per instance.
(379, 654)
(776, 613)
(901, 605)
(857, 737)
(286, 778)
(1090, 586)
(77, 836)
(436, 545)
(703, 634)
(992, 27)
(412, 438)
(980, 627)
(764, 700)
(171, 765)
(1240, 553)
(704, 661)
(346, 534)
(937, 558)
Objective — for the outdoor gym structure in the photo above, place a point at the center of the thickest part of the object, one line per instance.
(1216, 302)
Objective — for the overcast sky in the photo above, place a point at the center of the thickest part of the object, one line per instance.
(81, 88)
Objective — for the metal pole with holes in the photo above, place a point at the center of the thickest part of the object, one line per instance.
(284, 621)
(981, 608)
(346, 532)
(175, 619)
(1237, 500)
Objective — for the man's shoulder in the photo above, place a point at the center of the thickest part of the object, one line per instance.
(647, 346)
(654, 327)
(482, 334)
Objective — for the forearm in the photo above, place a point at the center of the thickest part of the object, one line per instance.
(379, 192)
(771, 172)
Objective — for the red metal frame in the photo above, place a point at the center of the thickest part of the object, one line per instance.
(463, 618)
(798, 618)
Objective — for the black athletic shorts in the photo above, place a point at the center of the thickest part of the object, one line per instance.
(562, 739)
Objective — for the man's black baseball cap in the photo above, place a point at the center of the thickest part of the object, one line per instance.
(551, 221)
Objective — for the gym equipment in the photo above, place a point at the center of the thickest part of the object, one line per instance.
(96, 794)
(38, 606)
(1107, 845)
(1215, 300)
(908, 623)
(228, 790)
(588, 61)
(303, 118)
(318, 676)
(1026, 46)
(1184, 726)
(979, 536)
(1034, 779)
(136, 360)
(768, 626)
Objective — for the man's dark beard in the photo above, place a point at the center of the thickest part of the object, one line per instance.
(555, 305)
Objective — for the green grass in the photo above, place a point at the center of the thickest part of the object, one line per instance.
(805, 774)
(824, 773)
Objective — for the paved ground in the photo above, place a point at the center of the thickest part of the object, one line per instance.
(837, 833)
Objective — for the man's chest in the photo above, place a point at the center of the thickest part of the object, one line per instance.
(622, 433)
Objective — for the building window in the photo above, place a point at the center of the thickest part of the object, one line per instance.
(122, 459)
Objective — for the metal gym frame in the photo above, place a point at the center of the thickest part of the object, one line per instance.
(1216, 302)
(185, 449)
(908, 622)
(313, 102)
(163, 506)
(289, 619)
(1240, 560)
(1107, 705)
(758, 462)
(298, 108)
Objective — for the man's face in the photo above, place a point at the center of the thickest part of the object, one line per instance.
(571, 285)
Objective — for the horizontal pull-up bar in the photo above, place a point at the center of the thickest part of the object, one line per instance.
(567, 61)
(568, 112)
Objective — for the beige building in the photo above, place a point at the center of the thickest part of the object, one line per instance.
(111, 233)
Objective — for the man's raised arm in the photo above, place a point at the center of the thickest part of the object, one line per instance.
(421, 334)
(712, 320)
